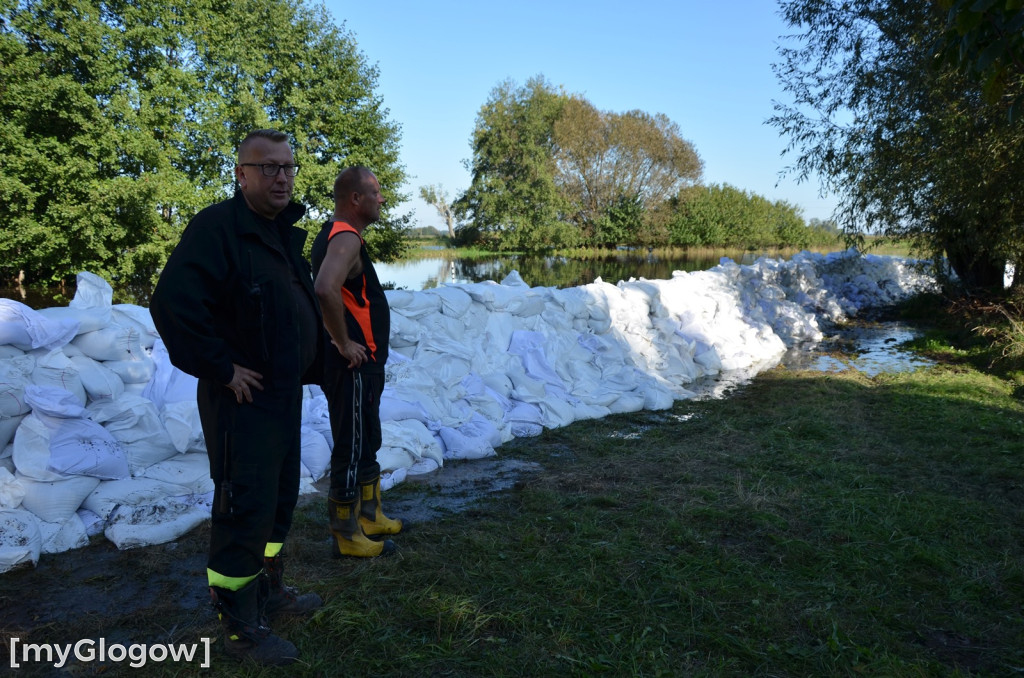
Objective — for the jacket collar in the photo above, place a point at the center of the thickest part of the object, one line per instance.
(247, 221)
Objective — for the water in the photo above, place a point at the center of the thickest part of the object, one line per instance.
(422, 274)
(871, 347)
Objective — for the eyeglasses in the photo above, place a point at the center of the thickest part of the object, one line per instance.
(271, 170)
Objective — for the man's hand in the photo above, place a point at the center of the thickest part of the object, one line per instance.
(243, 382)
(354, 351)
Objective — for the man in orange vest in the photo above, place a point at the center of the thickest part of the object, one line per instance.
(358, 321)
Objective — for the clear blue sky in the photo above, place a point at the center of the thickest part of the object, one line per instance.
(707, 66)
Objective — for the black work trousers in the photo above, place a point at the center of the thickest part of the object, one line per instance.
(353, 398)
(255, 451)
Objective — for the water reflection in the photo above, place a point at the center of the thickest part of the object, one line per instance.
(542, 271)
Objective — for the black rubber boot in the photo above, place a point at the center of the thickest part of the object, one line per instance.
(246, 636)
(349, 539)
(371, 516)
(283, 599)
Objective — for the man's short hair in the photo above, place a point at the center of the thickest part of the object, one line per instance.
(350, 180)
(274, 135)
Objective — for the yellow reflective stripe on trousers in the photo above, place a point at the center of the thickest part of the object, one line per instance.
(272, 550)
(230, 583)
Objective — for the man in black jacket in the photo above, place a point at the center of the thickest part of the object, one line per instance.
(235, 308)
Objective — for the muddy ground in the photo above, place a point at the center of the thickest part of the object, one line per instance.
(99, 591)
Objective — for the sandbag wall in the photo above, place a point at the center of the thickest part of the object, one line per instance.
(99, 433)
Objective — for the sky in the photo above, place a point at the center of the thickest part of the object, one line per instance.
(707, 66)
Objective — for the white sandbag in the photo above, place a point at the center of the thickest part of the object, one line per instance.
(111, 342)
(135, 423)
(54, 369)
(100, 382)
(57, 439)
(168, 384)
(86, 319)
(135, 389)
(15, 375)
(7, 352)
(54, 500)
(133, 526)
(475, 439)
(138, 370)
(410, 437)
(20, 541)
(190, 471)
(92, 522)
(12, 490)
(91, 291)
(131, 492)
(181, 421)
(315, 414)
(524, 419)
(454, 300)
(27, 329)
(630, 401)
(316, 452)
(392, 478)
(8, 427)
(412, 304)
(139, 318)
(62, 536)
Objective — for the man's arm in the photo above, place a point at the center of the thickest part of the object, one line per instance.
(340, 263)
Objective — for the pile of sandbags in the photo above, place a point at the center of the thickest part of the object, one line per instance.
(100, 433)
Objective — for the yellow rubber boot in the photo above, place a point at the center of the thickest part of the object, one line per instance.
(371, 516)
(348, 535)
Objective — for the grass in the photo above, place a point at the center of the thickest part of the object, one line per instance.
(811, 524)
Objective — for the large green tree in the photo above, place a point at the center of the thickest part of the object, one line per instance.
(909, 142)
(119, 120)
(513, 198)
(612, 164)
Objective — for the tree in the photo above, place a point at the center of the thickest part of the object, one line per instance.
(909, 142)
(986, 39)
(436, 197)
(604, 159)
(513, 198)
(120, 120)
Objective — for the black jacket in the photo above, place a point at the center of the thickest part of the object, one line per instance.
(225, 296)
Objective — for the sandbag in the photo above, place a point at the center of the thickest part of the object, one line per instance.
(135, 423)
(111, 342)
(100, 382)
(20, 541)
(57, 440)
(190, 471)
(168, 384)
(8, 427)
(54, 500)
(110, 494)
(27, 329)
(133, 526)
(405, 443)
(181, 421)
(62, 536)
(316, 452)
(136, 371)
(54, 369)
(15, 375)
(12, 490)
(138, 318)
